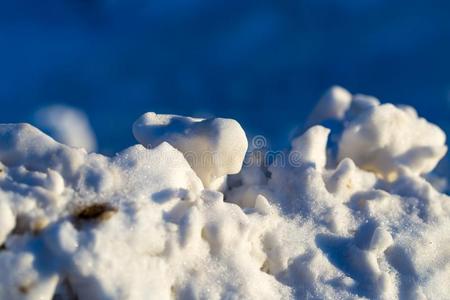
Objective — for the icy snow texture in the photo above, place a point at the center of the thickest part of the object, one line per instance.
(67, 125)
(141, 225)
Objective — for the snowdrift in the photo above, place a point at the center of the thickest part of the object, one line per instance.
(196, 212)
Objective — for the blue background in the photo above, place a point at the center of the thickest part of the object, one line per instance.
(264, 63)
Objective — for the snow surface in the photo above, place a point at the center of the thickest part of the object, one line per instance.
(306, 225)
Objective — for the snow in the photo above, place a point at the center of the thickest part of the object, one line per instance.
(333, 105)
(386, 138)
(312, 146)
(150, 223)
(7, 221)
(214, 147)
(67, 125)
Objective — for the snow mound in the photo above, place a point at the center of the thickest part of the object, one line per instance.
(145, 225)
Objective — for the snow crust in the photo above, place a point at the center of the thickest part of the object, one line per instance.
(148, 223)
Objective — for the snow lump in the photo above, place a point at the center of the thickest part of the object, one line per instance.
(213, 147)
(67, 125)
(386, 138)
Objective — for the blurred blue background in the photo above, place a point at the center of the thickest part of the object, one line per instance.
(264, 63)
